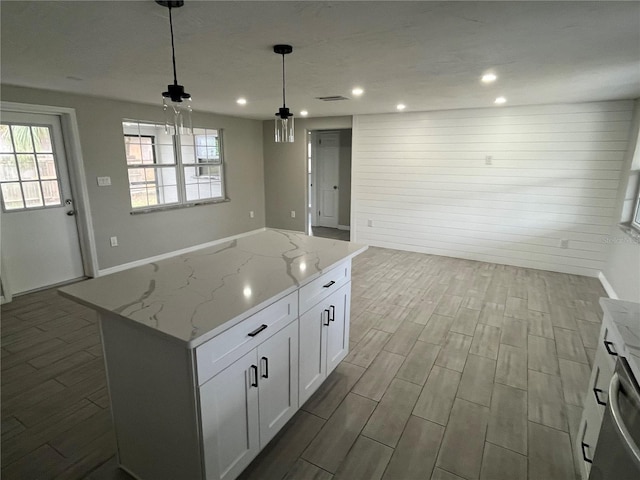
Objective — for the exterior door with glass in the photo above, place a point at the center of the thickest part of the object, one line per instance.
(39, 235)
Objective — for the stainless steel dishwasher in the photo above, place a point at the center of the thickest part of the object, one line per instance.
(617, 455)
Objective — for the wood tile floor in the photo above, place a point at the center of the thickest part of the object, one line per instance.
(334, 233)
(457, 369)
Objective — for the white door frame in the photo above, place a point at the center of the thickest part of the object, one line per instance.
(77, 177)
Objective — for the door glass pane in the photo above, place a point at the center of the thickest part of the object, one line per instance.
(42, 139)
(28, 170)
(12, 196)
(8, 169)
(47, 166)
(51, 193)
(22, 138)
(32, 194)
(5, 139)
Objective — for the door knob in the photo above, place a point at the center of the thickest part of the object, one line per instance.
(335, 187)
(71, 213)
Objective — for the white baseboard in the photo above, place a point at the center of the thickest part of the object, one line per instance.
(607, 286)
(344, 227)
(144, 261)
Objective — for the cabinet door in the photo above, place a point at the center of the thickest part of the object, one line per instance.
(338, 329)
(229, 413)
(313, 364)
(278, 381)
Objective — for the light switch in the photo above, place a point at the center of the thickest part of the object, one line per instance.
(293, 214)
(104, 181)
(251, 214)
(113, 241)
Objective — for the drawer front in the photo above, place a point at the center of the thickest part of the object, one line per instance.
(587, 440)
(610, 342)
(221, 351)
(323, 286)
(599, 383)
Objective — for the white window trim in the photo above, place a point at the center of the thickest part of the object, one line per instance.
(180, 176)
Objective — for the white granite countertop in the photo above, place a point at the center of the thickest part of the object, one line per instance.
(197, 295)
(626, 319)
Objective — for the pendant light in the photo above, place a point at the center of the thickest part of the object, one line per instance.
(284, 118)
(175, 101)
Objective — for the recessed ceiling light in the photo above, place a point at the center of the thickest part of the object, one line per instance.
(304, 113)
(489, 77)
(501, 100)
(241, 101)
(357, 91)
(401, 106)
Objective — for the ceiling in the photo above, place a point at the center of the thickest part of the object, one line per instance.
(427, 55)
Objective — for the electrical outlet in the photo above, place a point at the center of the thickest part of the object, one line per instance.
(251, 214)
(370, 223)
(488, 160)
(293, 214)
(114, 241)
(564, 243)
(104, 181)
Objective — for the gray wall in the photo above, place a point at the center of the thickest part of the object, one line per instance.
(344, 204)
(285, 183)
(145, 235)
(622, 269)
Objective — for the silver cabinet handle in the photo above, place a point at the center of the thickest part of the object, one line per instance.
(614, 389)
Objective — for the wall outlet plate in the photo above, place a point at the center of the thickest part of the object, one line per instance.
(564, 243)
(104, 181)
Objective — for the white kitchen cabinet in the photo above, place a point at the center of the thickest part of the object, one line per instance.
(229, 417)
(278, 381)
(610, 346)
(246, 404)
(324, 339)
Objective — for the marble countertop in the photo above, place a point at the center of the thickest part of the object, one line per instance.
(626, 319)
(195, 296)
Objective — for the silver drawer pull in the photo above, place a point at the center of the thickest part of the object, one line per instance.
(327, 285)
(257, 330)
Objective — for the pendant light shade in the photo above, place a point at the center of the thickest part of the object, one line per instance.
(175, 101)
(284, 118)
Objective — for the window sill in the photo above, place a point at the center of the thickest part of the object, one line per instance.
(632, 234)
(163, 208)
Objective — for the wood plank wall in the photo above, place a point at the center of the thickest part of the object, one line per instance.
(422, 182)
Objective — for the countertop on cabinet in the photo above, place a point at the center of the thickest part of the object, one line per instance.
(626, 319)
(193, 297)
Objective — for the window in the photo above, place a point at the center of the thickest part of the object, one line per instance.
(172, 169)
(28, 173)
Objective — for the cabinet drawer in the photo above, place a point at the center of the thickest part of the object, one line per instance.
(313, 292)
(221, 351)
(601, 374)
(610, 342)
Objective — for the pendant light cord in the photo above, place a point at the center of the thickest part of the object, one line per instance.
(173, 50)
(284, 104)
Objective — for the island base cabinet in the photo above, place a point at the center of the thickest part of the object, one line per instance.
(245, 405)
(324, 339)
(229, 416)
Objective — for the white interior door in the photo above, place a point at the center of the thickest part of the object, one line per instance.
(39, 235)
(327, 176)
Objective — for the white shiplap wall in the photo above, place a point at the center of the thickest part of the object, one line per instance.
(423, 182)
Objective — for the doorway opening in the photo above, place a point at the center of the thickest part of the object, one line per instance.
(329, 183)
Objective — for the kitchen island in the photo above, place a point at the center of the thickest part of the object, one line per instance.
(209, 354)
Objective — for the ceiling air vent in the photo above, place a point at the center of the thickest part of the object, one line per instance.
(334, 98)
